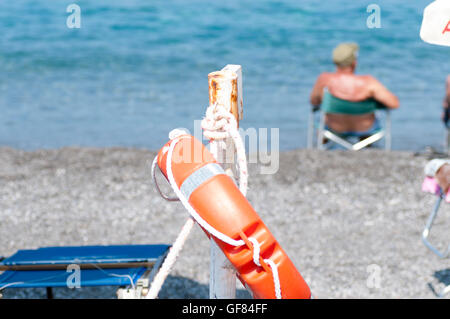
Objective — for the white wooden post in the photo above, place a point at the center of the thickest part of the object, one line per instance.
(225, 88)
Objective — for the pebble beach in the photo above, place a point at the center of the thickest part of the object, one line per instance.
(350, 221)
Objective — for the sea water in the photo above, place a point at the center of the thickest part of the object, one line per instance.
(135, 69)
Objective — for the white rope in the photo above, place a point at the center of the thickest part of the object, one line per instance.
(273, 266)
(174, 252)
(11, 284)
(256, 250)
(220, 124)
(276, 277)
(170, 260)
(115, 275)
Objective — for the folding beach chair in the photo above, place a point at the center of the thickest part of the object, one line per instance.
(431, 186)
(130, 267)
(332, 104)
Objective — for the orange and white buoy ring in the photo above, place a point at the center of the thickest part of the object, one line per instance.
(217, 205)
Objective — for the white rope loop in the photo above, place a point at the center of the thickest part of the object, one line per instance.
(217, 123)
(170, 260)
(270, 263)
(256, 250)
(220, 124)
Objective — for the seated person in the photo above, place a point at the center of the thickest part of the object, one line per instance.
(439, 169)
(446, 104)
(346, 85)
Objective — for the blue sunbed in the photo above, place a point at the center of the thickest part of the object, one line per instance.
(119, 265)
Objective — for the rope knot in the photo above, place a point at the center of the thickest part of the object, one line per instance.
(218, 122)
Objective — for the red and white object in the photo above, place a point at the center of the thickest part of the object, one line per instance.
(436, 23)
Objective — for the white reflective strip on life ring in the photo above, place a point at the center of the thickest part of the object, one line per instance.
(200, 176)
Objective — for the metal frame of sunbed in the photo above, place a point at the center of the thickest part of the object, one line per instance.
(426, 233)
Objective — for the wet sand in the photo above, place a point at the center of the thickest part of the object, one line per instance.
(351, 222)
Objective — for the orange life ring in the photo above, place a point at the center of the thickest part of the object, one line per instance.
(221, 206)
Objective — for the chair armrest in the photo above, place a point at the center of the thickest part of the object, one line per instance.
(382, 107)
(315, 108)
(446, 117)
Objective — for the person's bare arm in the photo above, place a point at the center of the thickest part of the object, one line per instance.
(317, 91)
(383, 95)
(443, 177)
